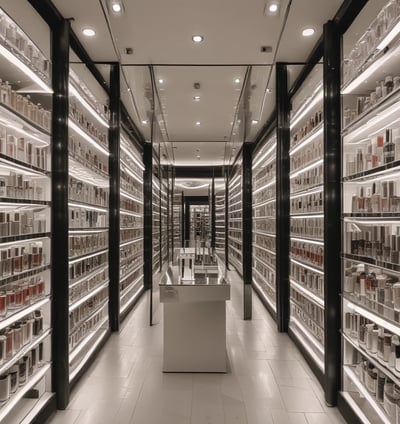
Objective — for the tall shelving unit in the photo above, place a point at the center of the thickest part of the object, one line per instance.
(220, 221)
(164, 216)
(235, 219)
(88, 204)
(177, 219)
(371, 223)
(264, 222)
(25, 224)
(156, 221)
(306, 241)
(131, 223)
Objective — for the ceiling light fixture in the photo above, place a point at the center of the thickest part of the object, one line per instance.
(144, 122)
(89, 32)
(197, 38)
(254, 121)
(198, 123)
(273, 8)
(308, 32)
(161, 81)
(269, 90)
(237, 80)
(116, 7)
(196, 98)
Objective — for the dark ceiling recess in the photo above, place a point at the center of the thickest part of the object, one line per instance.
(198, 171)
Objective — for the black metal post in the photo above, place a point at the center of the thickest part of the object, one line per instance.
(226, 176)
(282, 198)
(213, 214)
(247, 259)
(114, 217)
(148, 215)
(187, 220)
(183, 220)
(332, 211)
(59, 215)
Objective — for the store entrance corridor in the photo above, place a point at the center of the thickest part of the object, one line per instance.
(268, 383)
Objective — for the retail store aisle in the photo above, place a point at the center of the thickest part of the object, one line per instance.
(269, 382)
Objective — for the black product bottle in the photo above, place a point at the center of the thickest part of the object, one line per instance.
(388, 148)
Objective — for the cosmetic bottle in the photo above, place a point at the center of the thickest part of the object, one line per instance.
(388, 148)
(4, 387)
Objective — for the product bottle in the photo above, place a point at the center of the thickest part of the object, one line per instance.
(388, 148)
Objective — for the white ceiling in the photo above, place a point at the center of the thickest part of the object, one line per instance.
(159, 32)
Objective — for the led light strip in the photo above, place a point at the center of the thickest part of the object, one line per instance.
(92, 293)
(135, 296)
(83, 206)
(25, 69)
(369, 221)
(265, 249)
(307, 266)
(306, 216)
(389, 37)
(125, 150)
(82, 258)
(309, 336)
(89, 230)
(319, 243)
(131, 242)
(264, 279)
(4, 163)
(88, 138)
(318, 95)
(306, 141)
(307, 192)
(365, 393)
(266, 154)
(130, 213)
(264, 264)
(265, 186)
(74, 92)
(266, 202)
(25, 133)
(359, 412)
(310, 295)
(129, 196)
(88, 276)
(264, 296)
(130, 273)
(132, 174)
(307, 168)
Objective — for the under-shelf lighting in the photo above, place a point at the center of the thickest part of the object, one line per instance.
(89, 295)
(133, 298)
(87, 137)
(74, 92)
(306, 142)
(266, 154)
(318, 243)
(125, 150)
(88, 207)
(30, 136)
(25, 69)
(272, 182)
(307, 168)
(308, 335)
(264, 296)
(310, 268)
(129, 196)
(389, 37)
(92, 255)
(307, 293)
(317, 97)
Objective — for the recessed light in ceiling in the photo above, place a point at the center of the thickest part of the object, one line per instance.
(308, 32)
(269, 90)
(198, 123)
(198, 156)
(144, 122)
(254, 121)
(237, 80)
(89, 32)
(197, 38)
(116, 7)
(196, 98)
(273, 7)
(161, 81)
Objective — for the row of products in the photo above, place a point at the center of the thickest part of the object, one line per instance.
(78, 290)
(383, 88)
(131, 279)
(23, 149)
(377, 291)
(309, 279)
(264, 175)
(307, 203)
(19, 295)
(131, 221)
(264, 256)
(264, 195)
(83, 311)
(268, 274)
(131, 205)
(311, 123)
(22, 45)
(367, 43)
(82, 244)
(130, 251)
(232, 253)
(266, 242)
(127, 234)
(266, 210)
(21, 258)
(307, 179)
(235, 190)
(17, 186)
(88, 193)
(313, 312)
(379, 151)
(267, 225)
(87, 326)
(300, 314)
(20, 334)
(307, 227)
(309, 153)
(25, 106)
(381, 243)
(307, 252)
(237, 235)
(381, 197)
(266, 288)
(130, 184)
(22, 223)
(87, 265)
(235, 225)
(87, 125)
(126, 266)
(87, 156)
(83, 218)
(18, 375)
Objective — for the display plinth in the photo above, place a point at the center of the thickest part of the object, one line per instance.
(194, 324)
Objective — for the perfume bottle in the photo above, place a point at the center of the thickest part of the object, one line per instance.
(388, 147)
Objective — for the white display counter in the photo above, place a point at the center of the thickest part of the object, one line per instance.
(194, 323)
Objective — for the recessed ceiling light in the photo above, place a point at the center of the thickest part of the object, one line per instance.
(116, 7)
(196, 98)
(89, 32)
(161, 81)
(198, 156)
(308, 32)
(198, 123)
(237, 80)
(269, 90)
(197, 38)
(273, 7)
(144, 122)
(254, 121)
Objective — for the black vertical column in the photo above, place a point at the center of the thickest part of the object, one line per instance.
(187, 220)
(332, 211)
(114, 218)
(282, 198)
(226, 176)
(247, 238)
(59, 214)
(213, 214)
(183, 220)
(148, 215)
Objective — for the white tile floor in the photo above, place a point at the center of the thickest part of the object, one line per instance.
(269, 382)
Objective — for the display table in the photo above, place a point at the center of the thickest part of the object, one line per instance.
(194, 322)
